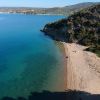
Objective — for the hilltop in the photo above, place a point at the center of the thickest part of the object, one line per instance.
(82, 27)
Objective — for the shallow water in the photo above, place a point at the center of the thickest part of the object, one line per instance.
(29, 61)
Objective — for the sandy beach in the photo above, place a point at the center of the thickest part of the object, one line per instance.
(83, 69)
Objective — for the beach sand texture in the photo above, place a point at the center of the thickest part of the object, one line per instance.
(83, 69)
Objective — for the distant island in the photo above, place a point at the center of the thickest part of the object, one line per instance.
(82, 27)
(67, 10)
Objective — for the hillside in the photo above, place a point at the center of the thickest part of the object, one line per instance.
(82, 27)
(67, 10)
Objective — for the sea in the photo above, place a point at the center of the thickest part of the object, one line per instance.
(29, 60)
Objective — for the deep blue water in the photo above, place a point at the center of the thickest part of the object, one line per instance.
(29, 60)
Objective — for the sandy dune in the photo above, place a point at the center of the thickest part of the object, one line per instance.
(83, 69)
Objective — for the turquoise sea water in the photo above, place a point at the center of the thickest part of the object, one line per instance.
(29, 60)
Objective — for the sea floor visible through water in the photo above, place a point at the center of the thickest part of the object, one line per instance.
(29, 60)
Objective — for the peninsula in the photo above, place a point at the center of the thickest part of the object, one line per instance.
(78, 33)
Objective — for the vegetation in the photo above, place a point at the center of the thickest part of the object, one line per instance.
(82, 27)
(94, 50)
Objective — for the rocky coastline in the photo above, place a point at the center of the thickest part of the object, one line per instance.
(82, 27)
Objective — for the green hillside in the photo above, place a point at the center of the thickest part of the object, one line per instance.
(82, 27)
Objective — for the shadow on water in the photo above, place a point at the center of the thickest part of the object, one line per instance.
(58, 38)
(68, 95)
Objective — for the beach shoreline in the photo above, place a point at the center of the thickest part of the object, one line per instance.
(65, 63)
(81, 76)
(61, 47)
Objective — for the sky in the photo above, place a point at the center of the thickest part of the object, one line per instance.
(41, 3)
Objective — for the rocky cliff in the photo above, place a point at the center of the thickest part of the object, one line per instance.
(82, 27)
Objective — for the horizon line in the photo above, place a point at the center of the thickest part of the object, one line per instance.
(45, 7)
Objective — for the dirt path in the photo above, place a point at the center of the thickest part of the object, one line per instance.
(83, 69)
